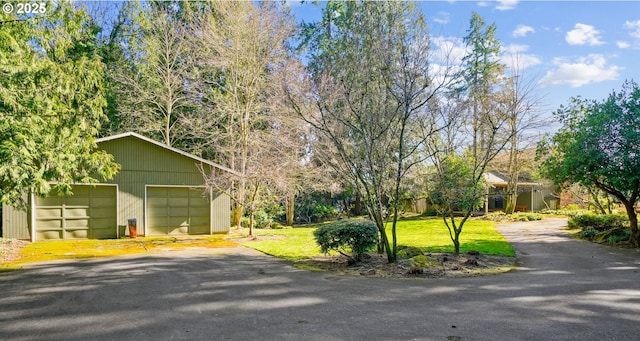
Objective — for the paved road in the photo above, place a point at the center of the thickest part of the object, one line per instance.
(564, 290)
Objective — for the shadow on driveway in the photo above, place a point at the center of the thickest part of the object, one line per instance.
(565, 289)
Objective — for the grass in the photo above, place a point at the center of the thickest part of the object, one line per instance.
(432, 235)
(77, 249)
(292, 244)
(428, 234)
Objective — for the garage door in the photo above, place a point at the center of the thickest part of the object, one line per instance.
(177, 210)
(90, 213)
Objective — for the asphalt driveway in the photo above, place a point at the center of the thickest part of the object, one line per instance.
(564, 289)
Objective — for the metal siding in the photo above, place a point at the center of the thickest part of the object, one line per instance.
(220, 213)
(144, 163)
(540, 194)
(15, 223)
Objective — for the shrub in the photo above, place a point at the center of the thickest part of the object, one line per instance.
(520, 216)
(566, 212)
(498, 216)
(420, 263)
(357, 235)
(599, 222)
(409, 252)
(274, 210)
(572, 207)
(617, 238)
(262, 219)
(244, 222)
(588, 233)
(429, 213)
(322, 212)
(530, 216)
(277, 226)
(612, 236)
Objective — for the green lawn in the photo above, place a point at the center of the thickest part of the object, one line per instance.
(429, 234)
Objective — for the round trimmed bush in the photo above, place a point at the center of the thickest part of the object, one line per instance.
(355, 235)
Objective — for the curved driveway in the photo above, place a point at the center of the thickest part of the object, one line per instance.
(564, 289)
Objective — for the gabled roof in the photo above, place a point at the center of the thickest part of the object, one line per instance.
(162, 145)
(495, 178)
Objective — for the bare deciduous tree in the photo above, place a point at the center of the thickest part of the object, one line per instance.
(523, 114)
(156, 91)
(244, 49)
(368, 100)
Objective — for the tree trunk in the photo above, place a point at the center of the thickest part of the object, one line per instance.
(384, 243)
(596, 200)
(511, 200)
(289, 207)
(512, 184)
(454, 231)
(236, 214)
(357, 206)
(633, 223)
(251, 223)
(456, 244)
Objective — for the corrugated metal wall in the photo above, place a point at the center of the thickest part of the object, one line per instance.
(153, 165)
(15, 223)
(220, 213)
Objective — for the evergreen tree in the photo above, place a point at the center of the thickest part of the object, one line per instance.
(51, 103)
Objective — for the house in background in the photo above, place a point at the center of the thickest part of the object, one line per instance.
(160, 186)
(532, 195)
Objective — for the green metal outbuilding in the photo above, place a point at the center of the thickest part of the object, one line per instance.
(160, 186)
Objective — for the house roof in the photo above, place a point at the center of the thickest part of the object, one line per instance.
(162, 145)
(497, 179)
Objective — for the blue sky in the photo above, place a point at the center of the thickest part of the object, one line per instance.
(568, 48)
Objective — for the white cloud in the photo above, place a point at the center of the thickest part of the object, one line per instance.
(515, 48)
(449, 50)
(442, 18)
(634, 26)
(590, 69)
(523, 30)
(448, 53)
(294, 3)
(583, 34)
(623, 44)
(504, 5)
(501, 5)
(514, 56)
